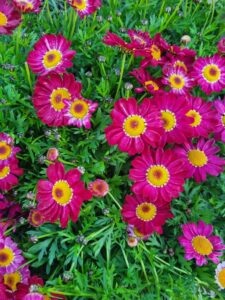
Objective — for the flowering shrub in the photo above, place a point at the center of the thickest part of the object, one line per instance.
(98, 198)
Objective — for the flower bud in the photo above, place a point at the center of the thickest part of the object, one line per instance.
(132, 241)
(52, 154)
(185, 39)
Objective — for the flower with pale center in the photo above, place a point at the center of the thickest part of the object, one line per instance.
(134, 126)
(220, 275)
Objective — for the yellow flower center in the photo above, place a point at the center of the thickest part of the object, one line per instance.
(177, 81)
(156, 52)
(146, 211)
(181, 64)
(134, 126)
(158, 176)
(57, 97)
(52, 58)
(169, 120)
(79, 109)
(153, 84)
(221, 277)
(4, 172)
(211, 73)
(196, 116)
(202, 245)
(197, 158)
(6, 257)
(3, 19)
(12, 279)
(138, 233)
(5, 151)
(36, 218)
(79, 4)
(223, 120)
(62, 192)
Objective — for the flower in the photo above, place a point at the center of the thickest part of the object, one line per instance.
(99, 188)
(132, 241)
(185, 39)
(220, 275)
(9, 17)
(178, 81)
(209, 72)
(145, 215)
(24, 289)
(62, 195)
(221, 46)
(173, 110)
(200, 159)
(51, 53)
(35, 218)
(8, 209)
(20, 276)
(199, 243)
(114, 40)
(3, 292)
(79, 111)
(52, 154)
(158, 175)
(187, 56)
(8, 175)
(149, 83)
(85, 7)
(134, 126)
(10, 256)
(50, 95)
(7, 150)
(219, 129)
(203, 117)
(132, 231)
(139, 38)
(34, 296)
(27, 6)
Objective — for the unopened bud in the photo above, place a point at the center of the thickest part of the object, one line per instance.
(52, 154)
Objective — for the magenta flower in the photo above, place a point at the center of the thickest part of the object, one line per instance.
(149, 83)
(199, 243)
(200, 159)
(99, 188)
(9, 17)
(8, 175)
(7, 149)
(85, 7)
(27, 6)
(221, 46)
(220, 126)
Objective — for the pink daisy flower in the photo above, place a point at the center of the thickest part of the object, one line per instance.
(133, 232)
(200, 159)
(182, 54)
(8, 173)
(7, 149)
(178, 80)
(51, 53)
(34, 296)
(99, 188)
(10, 256)
(50, 95)
(158, 175)
(221, 46)
(26, 6)
(220, 275)
(11, 280)
(203, 117)
(199, 243)
(220, 126)
(173, 110)
(112, 39)
(209, 72)
(149, 83)
(35, 218)
(79, 111)
(139, 38)
(85, 7)
(175, 63)
(9, 17)
(134, 126)
(62, 195)
(146, 216)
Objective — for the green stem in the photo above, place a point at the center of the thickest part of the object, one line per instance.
(75, 16)
(28, 76)
(121, 74)
(49, 13)
(114, 199)
(66, 162)
(18, 37)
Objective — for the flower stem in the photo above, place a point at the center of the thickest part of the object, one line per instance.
(121, 74)
(74, 18)
(28, 76)
(114, 199)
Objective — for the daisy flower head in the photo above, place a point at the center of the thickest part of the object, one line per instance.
(209, 73)
(10, 256)
(200, 244)
(8, 175)
(61, 196)
(51, 53)
(146, 216)
(99, 188)
(139, 38)
(201, 159)
(221, 46)
(134, 126)
(149, 83)
(85, 7)
(203, 117)
(50, 95)
(79, 111)
(9, 17)
(220, 126)
(27, 6)
(173, 110)
(158, 175)
(112, 39)
(220, 275)
(187, 56)
(7, 149)
(35, 218)
(11, 280)
(179, 82)
(132, 231)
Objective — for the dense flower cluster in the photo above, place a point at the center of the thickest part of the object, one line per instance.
(173, 116)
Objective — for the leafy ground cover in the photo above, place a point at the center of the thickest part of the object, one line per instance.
(90, 258)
